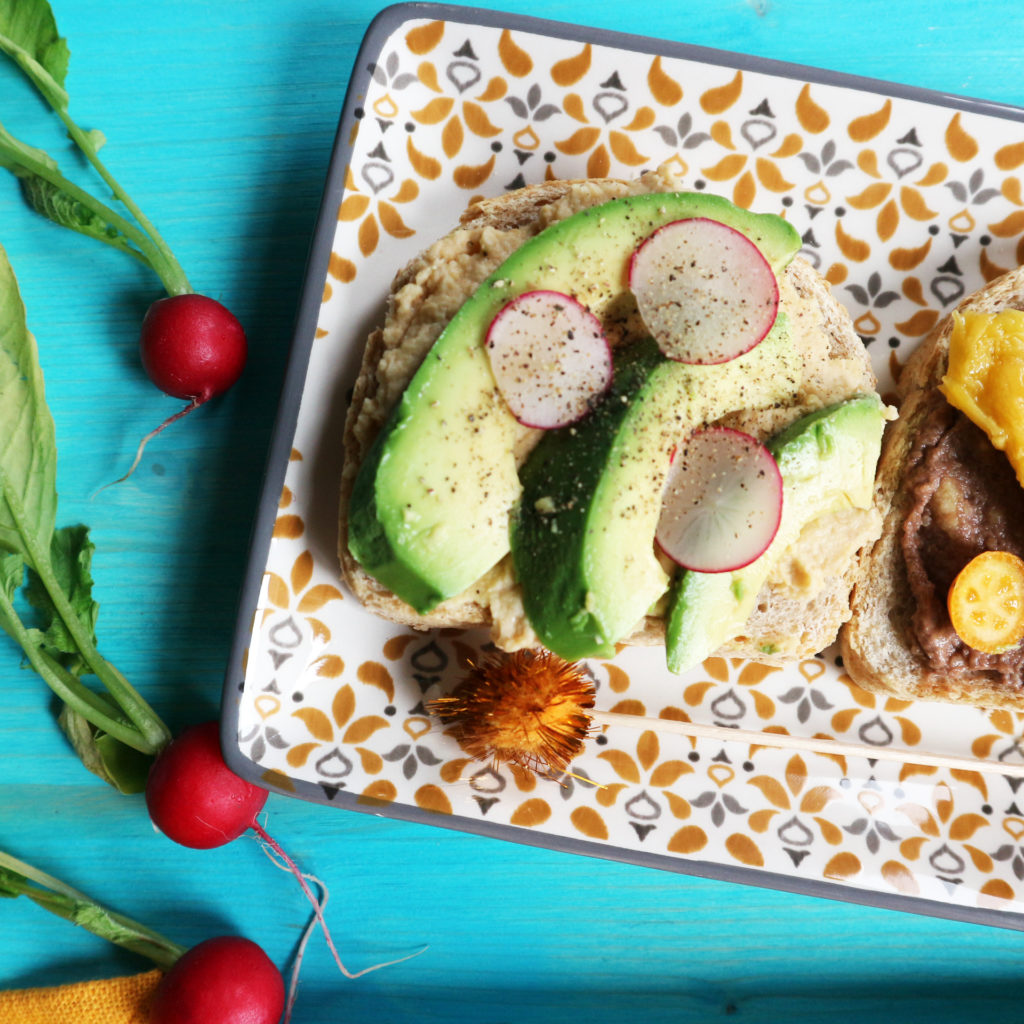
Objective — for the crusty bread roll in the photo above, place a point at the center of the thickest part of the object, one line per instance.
(799, 611)
(885, 647)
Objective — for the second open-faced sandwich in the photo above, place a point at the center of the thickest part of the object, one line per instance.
(939, 612)
(605, 412)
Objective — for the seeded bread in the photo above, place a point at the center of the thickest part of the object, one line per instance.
(878, 645)
(799, 612)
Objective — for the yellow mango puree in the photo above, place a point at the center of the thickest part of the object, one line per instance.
(985, 377)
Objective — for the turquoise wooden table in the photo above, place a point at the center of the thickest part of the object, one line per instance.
(220, 119)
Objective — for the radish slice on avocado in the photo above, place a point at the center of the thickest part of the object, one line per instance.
(704, 290)
(550, 358)
(722, 502)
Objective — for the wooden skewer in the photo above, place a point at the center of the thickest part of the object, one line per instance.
(534, 709)
(814, 744)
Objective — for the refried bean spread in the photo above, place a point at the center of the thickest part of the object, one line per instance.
(965, 499)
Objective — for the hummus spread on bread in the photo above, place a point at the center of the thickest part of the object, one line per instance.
(430, 289)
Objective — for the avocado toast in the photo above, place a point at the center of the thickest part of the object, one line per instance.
(476, 561)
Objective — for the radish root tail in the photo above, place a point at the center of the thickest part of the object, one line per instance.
(272, 848)
(194, 404)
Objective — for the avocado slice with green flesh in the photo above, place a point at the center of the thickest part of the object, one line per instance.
(429, 510)
(828, 461)
(583, 533)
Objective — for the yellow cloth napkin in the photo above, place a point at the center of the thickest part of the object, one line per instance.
(111, 1001)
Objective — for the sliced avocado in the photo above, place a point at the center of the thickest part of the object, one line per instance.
(430, 506)
(828, 461)
(583, 534)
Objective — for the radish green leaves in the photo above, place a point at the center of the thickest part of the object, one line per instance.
(62, 647)
(29, 37)
(18, 878)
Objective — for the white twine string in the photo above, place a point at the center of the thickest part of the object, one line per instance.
(280, 859)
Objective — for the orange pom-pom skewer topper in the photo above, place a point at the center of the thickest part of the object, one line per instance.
(529, 708)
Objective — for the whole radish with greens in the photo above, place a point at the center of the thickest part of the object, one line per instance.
(191, 346)
(192, 794)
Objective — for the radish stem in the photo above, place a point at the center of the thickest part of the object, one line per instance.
(167, 267)
(18, 878)
(50, 83)
(68, 687)
(152, 730)
(148, 252)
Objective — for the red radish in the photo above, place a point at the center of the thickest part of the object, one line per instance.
(550, 358)
(226, 980)
(191, 347)
(704, 290)
(194, 798)
(722, 502)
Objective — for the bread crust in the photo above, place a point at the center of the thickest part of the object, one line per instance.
(785, 624)
(878, 646)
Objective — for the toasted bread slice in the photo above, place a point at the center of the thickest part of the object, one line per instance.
(881, 646)
(793, 618)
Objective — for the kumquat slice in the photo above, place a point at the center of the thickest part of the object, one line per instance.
(986, 602)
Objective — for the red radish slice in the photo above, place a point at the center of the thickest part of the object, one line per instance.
(704, 290)
(550, 358)
(722, 502)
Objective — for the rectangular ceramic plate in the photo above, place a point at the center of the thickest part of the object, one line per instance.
(905, 200)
